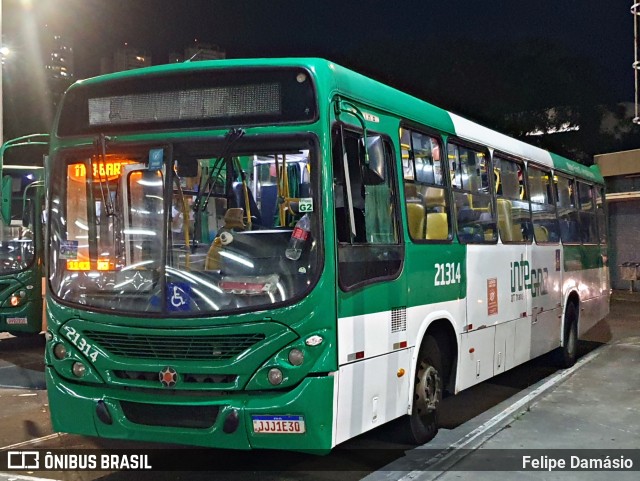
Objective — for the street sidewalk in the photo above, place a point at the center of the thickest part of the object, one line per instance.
(594, 406)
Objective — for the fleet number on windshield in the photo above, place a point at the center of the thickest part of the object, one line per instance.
(447, 273)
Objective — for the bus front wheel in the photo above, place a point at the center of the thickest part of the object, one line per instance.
(422, 424)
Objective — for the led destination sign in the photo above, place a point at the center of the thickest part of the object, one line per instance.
(190, 98)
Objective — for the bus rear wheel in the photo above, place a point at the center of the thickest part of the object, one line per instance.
(567, 354)
(422, 424)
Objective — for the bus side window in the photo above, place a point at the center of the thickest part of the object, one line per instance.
(567, 210)
(588, 226)
(367, 232)
(601, 217)
(514, 216)
(543, 209)
(475, 216)
(424, 189)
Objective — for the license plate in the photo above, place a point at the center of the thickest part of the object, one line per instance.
(278, 424)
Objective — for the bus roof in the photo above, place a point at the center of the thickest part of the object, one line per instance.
(334, 79)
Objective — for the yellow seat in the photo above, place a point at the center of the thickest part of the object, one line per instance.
(410, 191)
(434, 199)
(508, 231)
(437, 226)
(541, 233)
(415, 219)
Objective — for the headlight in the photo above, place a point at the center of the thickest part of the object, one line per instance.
(275, 376)
(59, 351)
(17, 298)
(78, 369)
(296, 357)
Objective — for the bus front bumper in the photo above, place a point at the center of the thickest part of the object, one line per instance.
(213, 421)
(26, 318)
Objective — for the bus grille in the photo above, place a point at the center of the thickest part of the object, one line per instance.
(175, 416)
(180, 348)
(186, 378)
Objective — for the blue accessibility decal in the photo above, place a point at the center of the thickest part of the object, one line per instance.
(178, 296)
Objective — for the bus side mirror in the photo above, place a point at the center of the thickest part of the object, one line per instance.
(375, 172)
(6, 199)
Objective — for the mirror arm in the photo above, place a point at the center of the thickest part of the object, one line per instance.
(344, 106)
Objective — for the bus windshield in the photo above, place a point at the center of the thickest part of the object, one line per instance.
(195, 228)
(17, 249)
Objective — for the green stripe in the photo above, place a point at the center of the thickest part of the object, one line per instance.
(591, 173)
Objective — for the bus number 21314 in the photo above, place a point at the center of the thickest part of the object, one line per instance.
(447, 273)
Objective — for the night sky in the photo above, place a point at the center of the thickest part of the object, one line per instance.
(414, 45)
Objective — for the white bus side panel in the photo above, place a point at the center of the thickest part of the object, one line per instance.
(513, 308)
(371, 393)
(590, 284)
(498, 325)
(368, 390)
(495, 269)
(375, 334)
(476, 357)
(546, 298)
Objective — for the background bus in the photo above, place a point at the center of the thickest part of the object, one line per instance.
(286, 254)
(21, 235)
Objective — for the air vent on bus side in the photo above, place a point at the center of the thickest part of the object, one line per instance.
(398, 319)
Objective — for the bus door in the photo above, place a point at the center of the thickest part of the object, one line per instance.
(371, 297)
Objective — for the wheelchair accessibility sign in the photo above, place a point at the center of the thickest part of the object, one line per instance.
(178, 296)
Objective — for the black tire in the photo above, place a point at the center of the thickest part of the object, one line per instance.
(568, 352)
(421, 425)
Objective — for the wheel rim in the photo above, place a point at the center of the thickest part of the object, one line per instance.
(427, 390)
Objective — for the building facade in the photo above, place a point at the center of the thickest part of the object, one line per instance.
(621, 171)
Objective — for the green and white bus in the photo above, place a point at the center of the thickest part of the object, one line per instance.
(21, 236)
(282, 253)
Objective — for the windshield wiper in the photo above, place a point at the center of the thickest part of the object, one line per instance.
(107, 201)
(230, 138)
